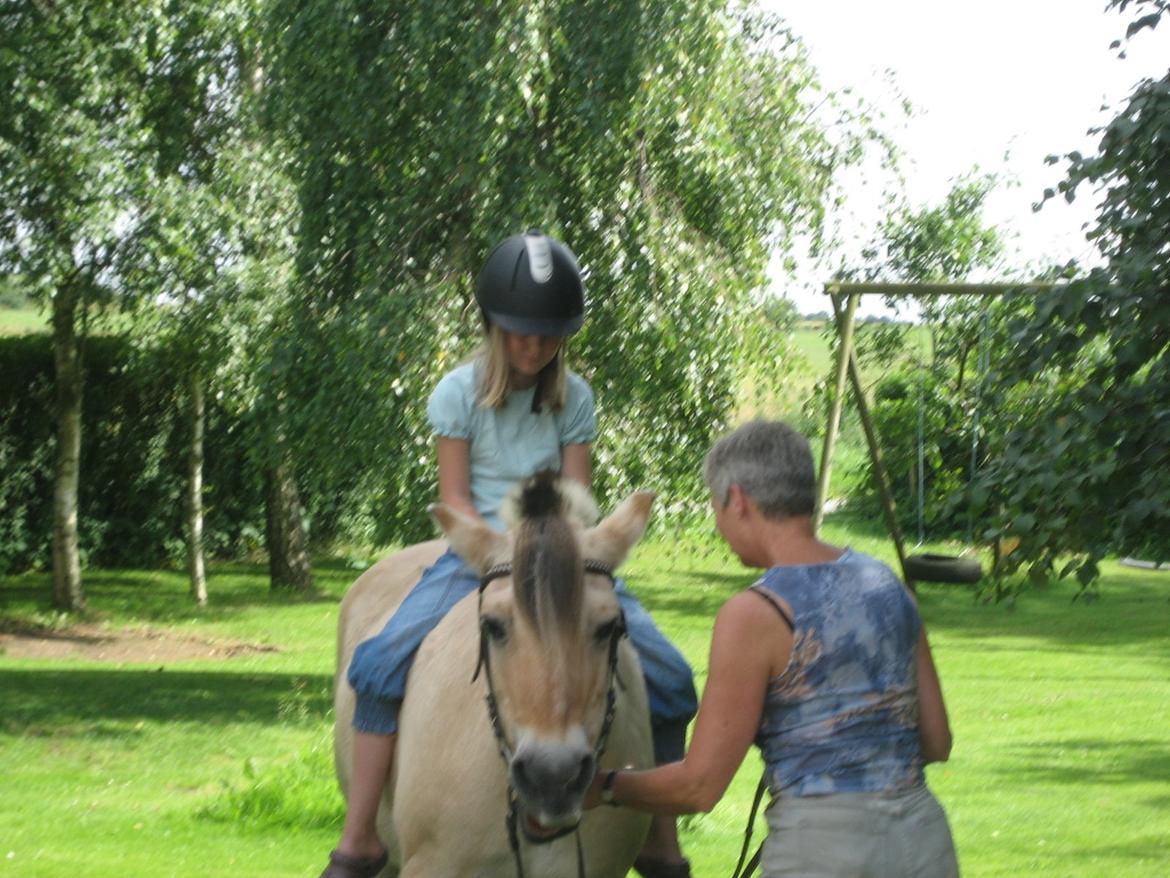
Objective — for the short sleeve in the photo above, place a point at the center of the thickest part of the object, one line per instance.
(450, 407)
(578, 418)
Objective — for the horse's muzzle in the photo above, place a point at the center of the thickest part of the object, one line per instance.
(550, 780)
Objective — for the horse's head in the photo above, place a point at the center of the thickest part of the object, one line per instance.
(549, 628)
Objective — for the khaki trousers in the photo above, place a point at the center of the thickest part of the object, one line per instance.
(859, 835)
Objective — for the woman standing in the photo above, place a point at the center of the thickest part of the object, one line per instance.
(825, 665)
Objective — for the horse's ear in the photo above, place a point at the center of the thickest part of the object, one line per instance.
(470, 537)
(613, 538)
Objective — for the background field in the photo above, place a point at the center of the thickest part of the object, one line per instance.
(147, 764)
(17, 321)
(223, 766)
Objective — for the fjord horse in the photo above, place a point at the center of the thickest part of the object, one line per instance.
(490, 770)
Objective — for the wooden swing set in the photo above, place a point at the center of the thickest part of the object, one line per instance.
(845, 298)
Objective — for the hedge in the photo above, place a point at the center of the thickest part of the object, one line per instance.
(133, 461)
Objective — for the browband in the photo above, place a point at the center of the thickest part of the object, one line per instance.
(505, 569)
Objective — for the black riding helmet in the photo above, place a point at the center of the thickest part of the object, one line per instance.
(531, 285)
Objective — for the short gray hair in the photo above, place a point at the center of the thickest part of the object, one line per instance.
(771, 462)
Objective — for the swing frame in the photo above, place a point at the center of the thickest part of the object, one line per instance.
(845, 297)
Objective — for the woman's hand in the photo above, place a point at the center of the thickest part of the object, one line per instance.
(748, 645)
(593, 794)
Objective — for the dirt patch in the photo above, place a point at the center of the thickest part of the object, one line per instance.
(101, 643)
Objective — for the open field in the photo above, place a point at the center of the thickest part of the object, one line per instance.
(180, 766)
(18, 321)
(198, 742)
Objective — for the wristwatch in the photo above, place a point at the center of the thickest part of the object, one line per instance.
(607, 788)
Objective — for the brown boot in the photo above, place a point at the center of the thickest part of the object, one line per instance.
(346, 866)
(652, 868)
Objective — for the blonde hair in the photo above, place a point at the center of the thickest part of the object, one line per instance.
(495, 375)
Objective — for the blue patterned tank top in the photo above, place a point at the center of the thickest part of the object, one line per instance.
(843, 716)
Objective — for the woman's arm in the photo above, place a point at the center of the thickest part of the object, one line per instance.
(455, 473)
(934, 730)
(577, 463)
(750, 643)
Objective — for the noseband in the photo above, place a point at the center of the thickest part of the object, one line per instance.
(506, 753)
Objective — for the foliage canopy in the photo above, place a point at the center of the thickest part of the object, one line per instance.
(1083, 471)
(668, 145)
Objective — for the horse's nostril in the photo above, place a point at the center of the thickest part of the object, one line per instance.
(555, 772)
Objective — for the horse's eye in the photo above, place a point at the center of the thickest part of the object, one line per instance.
(493, 629)
(606, 631)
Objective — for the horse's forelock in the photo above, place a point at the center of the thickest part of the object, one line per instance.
(548, 493)
(547, 573)
(540, 496)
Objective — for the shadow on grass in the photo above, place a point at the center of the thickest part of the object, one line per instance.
(1106, 763)
(1152, 849)
(112, 702)
(163, 595)
(1088, 761)
(1131, 611)
(691, 593)
(860, 523)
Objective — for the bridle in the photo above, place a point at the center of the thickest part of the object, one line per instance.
(512, 821)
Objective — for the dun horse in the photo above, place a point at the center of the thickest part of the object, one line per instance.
(556, 690)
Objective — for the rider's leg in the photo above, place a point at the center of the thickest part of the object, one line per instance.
(380, 664)
(670, 688)
(670, 683)
(662, 845)
(373, 758)
(378, 674)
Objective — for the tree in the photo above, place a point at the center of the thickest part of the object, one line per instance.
(670, 146)
(71, 161)
(933, 402)
(217, 208)
(1083, 469)
(189, 229)
(947, 243)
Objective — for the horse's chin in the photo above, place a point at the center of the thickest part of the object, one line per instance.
(543, 827)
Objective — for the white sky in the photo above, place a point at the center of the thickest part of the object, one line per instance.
(1015, 78)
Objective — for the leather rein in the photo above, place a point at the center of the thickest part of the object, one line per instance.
(512, 820)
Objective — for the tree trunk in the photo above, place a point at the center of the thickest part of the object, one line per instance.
(67, 590)
(288, 557)
(195, 566)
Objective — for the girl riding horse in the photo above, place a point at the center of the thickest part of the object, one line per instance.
(514, 410)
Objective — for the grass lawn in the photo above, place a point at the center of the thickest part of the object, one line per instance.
(18, 321)
(222, 766)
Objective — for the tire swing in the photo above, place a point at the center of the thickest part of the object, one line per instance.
(928, 566)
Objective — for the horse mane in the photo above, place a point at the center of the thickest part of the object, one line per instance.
(546, 559)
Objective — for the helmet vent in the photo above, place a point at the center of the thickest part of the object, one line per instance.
(540, 264)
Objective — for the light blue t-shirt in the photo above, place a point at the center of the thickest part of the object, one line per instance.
(512, 442)
(843, 716)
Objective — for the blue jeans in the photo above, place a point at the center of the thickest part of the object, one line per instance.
(380, 665)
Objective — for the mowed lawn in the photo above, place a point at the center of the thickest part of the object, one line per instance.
(223, 766)
(19, 321)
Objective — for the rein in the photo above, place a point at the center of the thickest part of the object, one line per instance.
(743, 870)
(512, 820)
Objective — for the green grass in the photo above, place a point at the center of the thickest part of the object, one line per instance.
(19, 321)
(1061, 764)
(32, 319)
